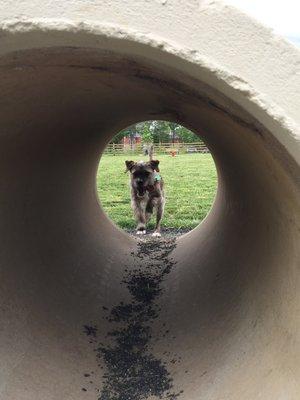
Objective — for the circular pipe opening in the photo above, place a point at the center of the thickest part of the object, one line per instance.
(184, 185)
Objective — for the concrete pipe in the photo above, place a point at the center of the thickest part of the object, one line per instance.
(87, 312)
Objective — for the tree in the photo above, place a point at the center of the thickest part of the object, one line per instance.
(166, 131)
(157, 132)
(144, 129)
(186, 135)
(161, 131)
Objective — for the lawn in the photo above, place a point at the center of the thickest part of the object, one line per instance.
(190, 186)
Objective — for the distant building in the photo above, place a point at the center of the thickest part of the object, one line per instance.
(137, 139)
(132, 140)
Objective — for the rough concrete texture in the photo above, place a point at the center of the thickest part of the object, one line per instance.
(214, 315)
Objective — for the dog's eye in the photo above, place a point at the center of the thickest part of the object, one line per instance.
(141, 174)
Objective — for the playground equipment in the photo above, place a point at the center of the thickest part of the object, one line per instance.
(72, 75)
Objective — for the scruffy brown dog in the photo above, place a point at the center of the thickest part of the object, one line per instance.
(146, 193)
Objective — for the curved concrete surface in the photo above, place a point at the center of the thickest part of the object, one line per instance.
(230, 301)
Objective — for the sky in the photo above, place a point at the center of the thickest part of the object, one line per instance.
(282, 16)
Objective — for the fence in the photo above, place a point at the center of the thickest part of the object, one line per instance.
(159, 148)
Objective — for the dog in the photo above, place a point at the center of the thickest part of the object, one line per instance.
(147, 193)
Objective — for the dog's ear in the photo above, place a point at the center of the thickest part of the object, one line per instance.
(129, 165)
(154, 165)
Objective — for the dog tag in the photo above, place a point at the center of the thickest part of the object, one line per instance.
(157, 177)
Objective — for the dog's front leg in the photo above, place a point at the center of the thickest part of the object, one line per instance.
(149, 211)
(139, 213)
(159, 215)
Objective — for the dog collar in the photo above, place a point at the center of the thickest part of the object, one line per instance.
(157, 178)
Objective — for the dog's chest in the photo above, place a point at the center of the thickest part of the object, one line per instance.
(143, 201)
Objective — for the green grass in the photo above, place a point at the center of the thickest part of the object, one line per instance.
(190, 186)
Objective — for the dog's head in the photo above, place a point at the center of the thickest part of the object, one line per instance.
(142, 174)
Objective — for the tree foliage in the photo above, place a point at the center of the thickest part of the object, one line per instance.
(186, 135)
(157, 132)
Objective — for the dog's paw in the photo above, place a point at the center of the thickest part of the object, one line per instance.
(156, 234)
(141, 232)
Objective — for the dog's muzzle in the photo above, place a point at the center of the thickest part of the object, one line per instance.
(141, 191)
